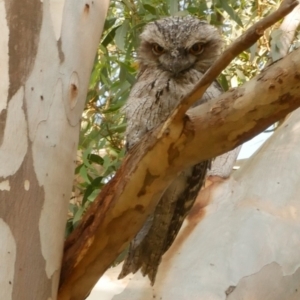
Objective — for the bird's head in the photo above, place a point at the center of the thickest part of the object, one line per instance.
(177, 44)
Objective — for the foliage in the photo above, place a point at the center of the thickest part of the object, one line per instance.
(101, 145)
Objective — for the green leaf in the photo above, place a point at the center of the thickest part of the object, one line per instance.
(93, 195)
(95, 158)
(97, 182)
(120, 35)
(223, 82)
(83, 174)
(150, 8)
(119, 128)
(88, 191)
(78, 216)
(128, 4)
(109, 23)
(69, 228)
(72, 208)
(231, 12)
(114, 107)
(77, 170)
(108, 38)
(173, 5)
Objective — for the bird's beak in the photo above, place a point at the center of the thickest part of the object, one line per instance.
(178, 66)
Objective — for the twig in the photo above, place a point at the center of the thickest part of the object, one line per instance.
(245, 41)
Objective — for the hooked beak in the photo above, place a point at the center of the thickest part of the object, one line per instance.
(179, 65)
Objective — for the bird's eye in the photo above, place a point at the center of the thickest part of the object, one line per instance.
(157, 49)
(196, 48)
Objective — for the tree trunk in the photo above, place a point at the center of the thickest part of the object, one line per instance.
(46, 58)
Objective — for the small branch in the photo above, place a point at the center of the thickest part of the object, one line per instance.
(241, 113)
(223, 164)
(244, 42)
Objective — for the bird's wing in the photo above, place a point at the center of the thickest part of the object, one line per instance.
(163, 225)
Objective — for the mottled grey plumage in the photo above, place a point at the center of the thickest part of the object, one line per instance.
(173, 55)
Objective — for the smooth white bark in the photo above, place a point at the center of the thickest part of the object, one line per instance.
(43, 93)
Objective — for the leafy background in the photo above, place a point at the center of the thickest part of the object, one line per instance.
(101, 144)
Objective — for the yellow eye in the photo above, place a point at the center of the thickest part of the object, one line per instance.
(157, 49)
(196, 49)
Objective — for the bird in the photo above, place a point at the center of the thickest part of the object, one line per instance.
(173, 55)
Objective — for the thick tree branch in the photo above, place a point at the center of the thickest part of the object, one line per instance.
(241, 113)
(223, 164)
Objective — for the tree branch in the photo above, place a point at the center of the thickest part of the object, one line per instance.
(245, 41)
